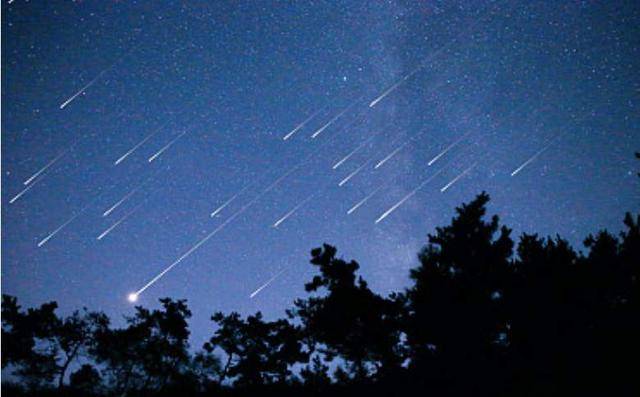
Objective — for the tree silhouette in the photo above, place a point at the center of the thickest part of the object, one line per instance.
(349, 320)
(150, 353)
(457, 320)
(86, 380)
(258, 352)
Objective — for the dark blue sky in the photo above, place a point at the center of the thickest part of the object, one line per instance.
(496, 83)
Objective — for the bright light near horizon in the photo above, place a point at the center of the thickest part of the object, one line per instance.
(132, 297)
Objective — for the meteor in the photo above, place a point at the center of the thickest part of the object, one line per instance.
(536, 155)
(451, 146)
(354, 151)
(399, 148)
(95, 79)
(354, 173)
(122, 200)
(393, 88)
(265, 285)
(454, 180)
(407, 197)
(142, 142)
(44, 240)
(529, 161)
(43, 169)
(17, 196)
(336, 117)
(83, 89)
(71, 219)
(167, 146)
(214, 213)
(299, 126)
(128, 214)
(364, 200)
(288, 214)
(131, 193)
(384, 160)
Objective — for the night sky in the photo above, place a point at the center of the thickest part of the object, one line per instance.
(160, 114)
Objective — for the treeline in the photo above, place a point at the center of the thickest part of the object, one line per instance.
(482, 316)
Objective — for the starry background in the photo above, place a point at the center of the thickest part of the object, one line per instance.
(226, 81)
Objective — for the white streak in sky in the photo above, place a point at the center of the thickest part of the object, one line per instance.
(25, 190)
(336, 117)
(214, 213)
(74, 96)
(364, 200)
(354, 173)
(529, 161)
(299, 126)
(454, 180)
(399, 148)
(407, 197)
(451, 146)
(128, 214)
(288, 214)
(354, 151)
(43, 169)
(44, 240)
(265, 285)
(393, 153)
(113, 207)
(133, 149)
(17, 196)
(397, 84)
(167, 146)
(95, 79)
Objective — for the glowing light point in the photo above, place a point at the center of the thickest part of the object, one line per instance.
(133, 297)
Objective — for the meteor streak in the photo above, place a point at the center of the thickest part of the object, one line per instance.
(364, 200)
(299, 126)
(529, 161)
(454, 180)
(142, 142)
(288, 214)
(43, 169)
(214, 213)
(451, 146)
(354, 173)
(167, 146)
(128, 214)
(83, 89)
(536, 155)
(407, 197)
(44, 240)
(131, 193)
(17, 196)
(354, 151)
(399, 148)
(394, 87)
(336, 117)
(95, 79)
(265, 285)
